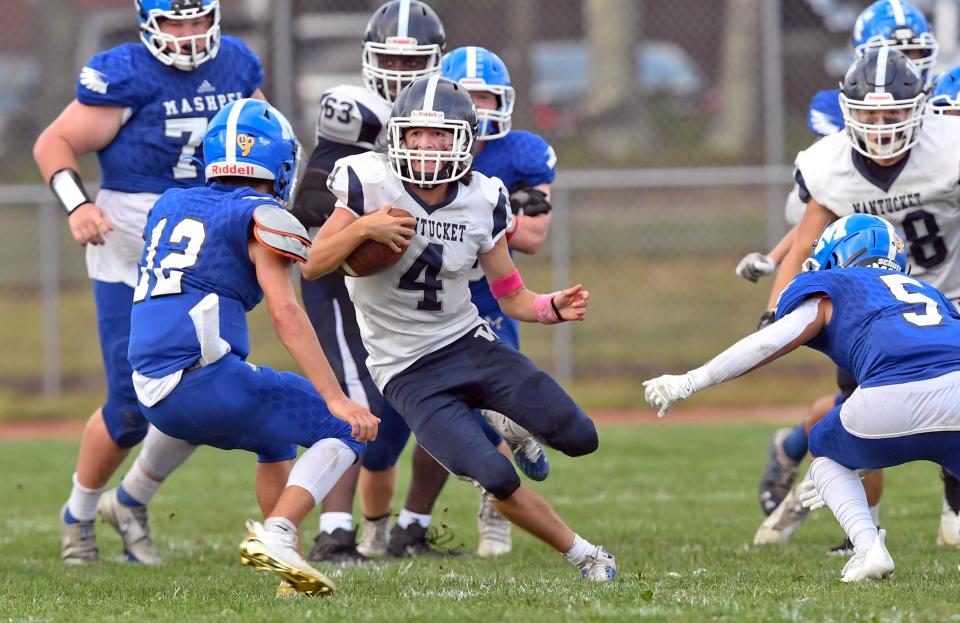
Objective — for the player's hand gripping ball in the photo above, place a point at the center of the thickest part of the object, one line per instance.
(388, 240)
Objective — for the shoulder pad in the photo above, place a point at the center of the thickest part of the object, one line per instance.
(489, 188)
(110, 78)
(533, 157)
(281, 232)
(355, 177)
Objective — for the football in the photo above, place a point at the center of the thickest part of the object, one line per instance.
(371, 257)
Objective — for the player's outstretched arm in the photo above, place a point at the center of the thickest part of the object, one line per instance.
(758, 349)
(815, 220)
(80, 129)
(343, 232)
(522, 304)
(298, 337)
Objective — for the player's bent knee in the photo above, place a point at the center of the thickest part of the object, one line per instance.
(499, 478)
(381, 455)
(125, 424)
(574, 434)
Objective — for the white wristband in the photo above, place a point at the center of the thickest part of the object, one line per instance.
(68, 188)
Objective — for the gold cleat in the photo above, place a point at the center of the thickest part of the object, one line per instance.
(286, 590)
(277, 553)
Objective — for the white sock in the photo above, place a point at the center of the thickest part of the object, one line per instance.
(281, 525)
(320, 467)
(138, 485)
(578, 552)
(83, 501)
(843, 492)
(875, 514)
(335, 521)
(408, 517)
(161, 454)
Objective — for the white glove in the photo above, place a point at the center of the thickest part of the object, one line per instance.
(665, 390)
(809, 496)
(755, 265)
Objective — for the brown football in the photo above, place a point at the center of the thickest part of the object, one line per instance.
(371, 257)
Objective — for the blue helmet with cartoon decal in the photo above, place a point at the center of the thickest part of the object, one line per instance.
(901, 26)
(187, 52)
(251, 138)
(480, 70)
(946, 94)
(858, 240)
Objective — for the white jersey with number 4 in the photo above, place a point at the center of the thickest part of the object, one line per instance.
(422, 303)
(923, 199)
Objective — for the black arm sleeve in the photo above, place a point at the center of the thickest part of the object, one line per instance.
(803, 192)
(313, 203)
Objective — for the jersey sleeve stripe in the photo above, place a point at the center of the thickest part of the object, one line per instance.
(354, 192)
(499, 216)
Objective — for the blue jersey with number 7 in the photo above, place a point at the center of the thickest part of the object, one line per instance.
(165, 111)
(887, 327)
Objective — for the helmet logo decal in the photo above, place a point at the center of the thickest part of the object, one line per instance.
(245, 143)
(426, 116)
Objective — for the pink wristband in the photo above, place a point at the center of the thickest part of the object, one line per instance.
(545, 310)
(506, 285)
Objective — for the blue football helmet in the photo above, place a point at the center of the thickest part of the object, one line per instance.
(480, 70)
(858, 240)
(945, 99)
(251, 138)
(185, 53)
(900, 25)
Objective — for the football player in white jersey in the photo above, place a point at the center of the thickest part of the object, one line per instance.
(430, 353)
(894, 162)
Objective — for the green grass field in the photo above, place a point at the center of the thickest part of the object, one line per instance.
(674, 502)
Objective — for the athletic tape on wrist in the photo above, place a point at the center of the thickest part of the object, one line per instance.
(506, 285)
(68, 188)
(545, 310)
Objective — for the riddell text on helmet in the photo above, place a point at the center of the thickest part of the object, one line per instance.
(231, 169)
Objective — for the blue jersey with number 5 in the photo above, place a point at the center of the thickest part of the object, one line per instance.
(887, 327)
(196, 280)
(165, 111)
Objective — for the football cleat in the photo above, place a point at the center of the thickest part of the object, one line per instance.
(78, 541)
(277, 553)
(528, 453)
(783, 522)
(949, 533)
(131, 523)
(779, 473)
(600, 566)
(873, 564)
(843, 549)
(411, 542)
(374, 536)
(494, 530)
(285, 590)
(338, 547)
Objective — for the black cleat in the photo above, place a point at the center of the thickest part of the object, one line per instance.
(413, 542)
(338, 547)
(843, 549)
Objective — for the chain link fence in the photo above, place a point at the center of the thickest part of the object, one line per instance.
(675, 122)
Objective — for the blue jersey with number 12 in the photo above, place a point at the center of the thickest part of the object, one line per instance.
(887, 327)
(196, 257)
(165, 111)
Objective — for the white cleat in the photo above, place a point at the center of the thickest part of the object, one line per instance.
(78, 541)
(374, 536)
(783, 522)
(949, 533)
(494, 530)
(277, 553)
(600, 566)
(131, 523)
(873, 564)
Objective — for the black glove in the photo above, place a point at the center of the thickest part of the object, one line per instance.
(767, 319)
(530, 201)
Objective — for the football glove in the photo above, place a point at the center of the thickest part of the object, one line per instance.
(767, 319)
(529, 202)
(755, 265)
(665, 390)
(809, 496)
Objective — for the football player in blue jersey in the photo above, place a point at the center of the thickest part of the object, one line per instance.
(945, 99)
(143, 108)
(895, 334)
(430, 353)
(899, 25)
(403, 40)
(212, 254)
